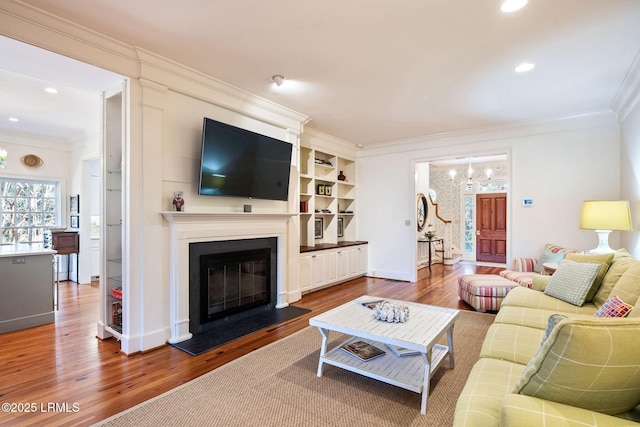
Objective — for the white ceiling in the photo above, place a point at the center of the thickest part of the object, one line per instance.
(26, 71)
(371, 71)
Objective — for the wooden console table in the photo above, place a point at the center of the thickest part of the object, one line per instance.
(431, 242)
(65, 243)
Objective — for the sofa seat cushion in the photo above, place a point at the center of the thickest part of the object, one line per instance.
(526, 411)
(590, 363)
(522, 278)
(511, 342)
(484, 292)
(523, 297)
(529, 317)
(481, 398)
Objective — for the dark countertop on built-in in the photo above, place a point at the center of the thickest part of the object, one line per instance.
(324, 246)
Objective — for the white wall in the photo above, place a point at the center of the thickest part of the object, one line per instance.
(630, 175)
(56, 163)
(558, 166)
(181, 151)
(387, 214)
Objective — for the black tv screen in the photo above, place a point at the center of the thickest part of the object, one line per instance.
(240, 163)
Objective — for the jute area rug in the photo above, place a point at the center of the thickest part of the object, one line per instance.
(277, 386)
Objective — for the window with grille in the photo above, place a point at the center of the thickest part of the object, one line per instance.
(27, 208)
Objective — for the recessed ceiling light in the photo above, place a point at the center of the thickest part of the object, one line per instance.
(278, 79)
(13, 119)
(509, 6)
(524, 67)
(51, 90)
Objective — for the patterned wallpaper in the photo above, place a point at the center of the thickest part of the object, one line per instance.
(449, 197)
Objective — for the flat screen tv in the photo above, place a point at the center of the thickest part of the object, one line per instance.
(240, 163)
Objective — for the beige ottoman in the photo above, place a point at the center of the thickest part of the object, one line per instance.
(484, 292)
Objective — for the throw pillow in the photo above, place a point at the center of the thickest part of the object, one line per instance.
(603, 259)
(572, 281)
(548, 256)
(614, 307)
(588, 363)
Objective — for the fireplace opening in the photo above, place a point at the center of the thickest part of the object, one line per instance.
(234, 281)
(230, 281)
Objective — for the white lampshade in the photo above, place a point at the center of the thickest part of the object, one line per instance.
(605, 216)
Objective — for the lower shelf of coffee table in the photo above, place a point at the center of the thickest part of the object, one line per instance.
(406, 371)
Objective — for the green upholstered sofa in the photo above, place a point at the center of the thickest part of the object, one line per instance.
(547, 362)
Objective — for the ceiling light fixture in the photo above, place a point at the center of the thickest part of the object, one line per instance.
(524, 67)
(509, 6)
(51, 90)
(278, 79)
(468, 178)
(13, 119)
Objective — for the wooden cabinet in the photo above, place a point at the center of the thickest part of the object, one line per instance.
(363, 259)
(325, 267)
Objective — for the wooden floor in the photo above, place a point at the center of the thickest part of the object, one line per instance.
(62, 375)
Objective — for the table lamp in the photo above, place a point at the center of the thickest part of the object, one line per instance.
(604, 216)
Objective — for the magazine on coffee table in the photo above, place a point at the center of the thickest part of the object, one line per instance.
(363, 350)
(401, 351)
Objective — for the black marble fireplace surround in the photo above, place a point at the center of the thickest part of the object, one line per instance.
(219, 251)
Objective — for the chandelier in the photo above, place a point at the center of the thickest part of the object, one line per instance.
(468, 177)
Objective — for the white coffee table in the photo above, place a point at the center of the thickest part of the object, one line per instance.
(426, 325)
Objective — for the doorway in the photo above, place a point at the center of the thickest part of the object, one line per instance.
(70, 144)
(458, 183)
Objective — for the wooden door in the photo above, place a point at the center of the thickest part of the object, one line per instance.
(491, 227)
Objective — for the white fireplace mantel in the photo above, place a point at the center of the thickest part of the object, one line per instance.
(195, 227)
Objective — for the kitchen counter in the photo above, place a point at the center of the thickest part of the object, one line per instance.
(26, 285)
(24, 249)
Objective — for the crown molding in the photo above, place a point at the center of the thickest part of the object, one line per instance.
(628, 95)
(36, 27)
(27, 139)
(28, 24)
(587, 120)
(319, 139)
